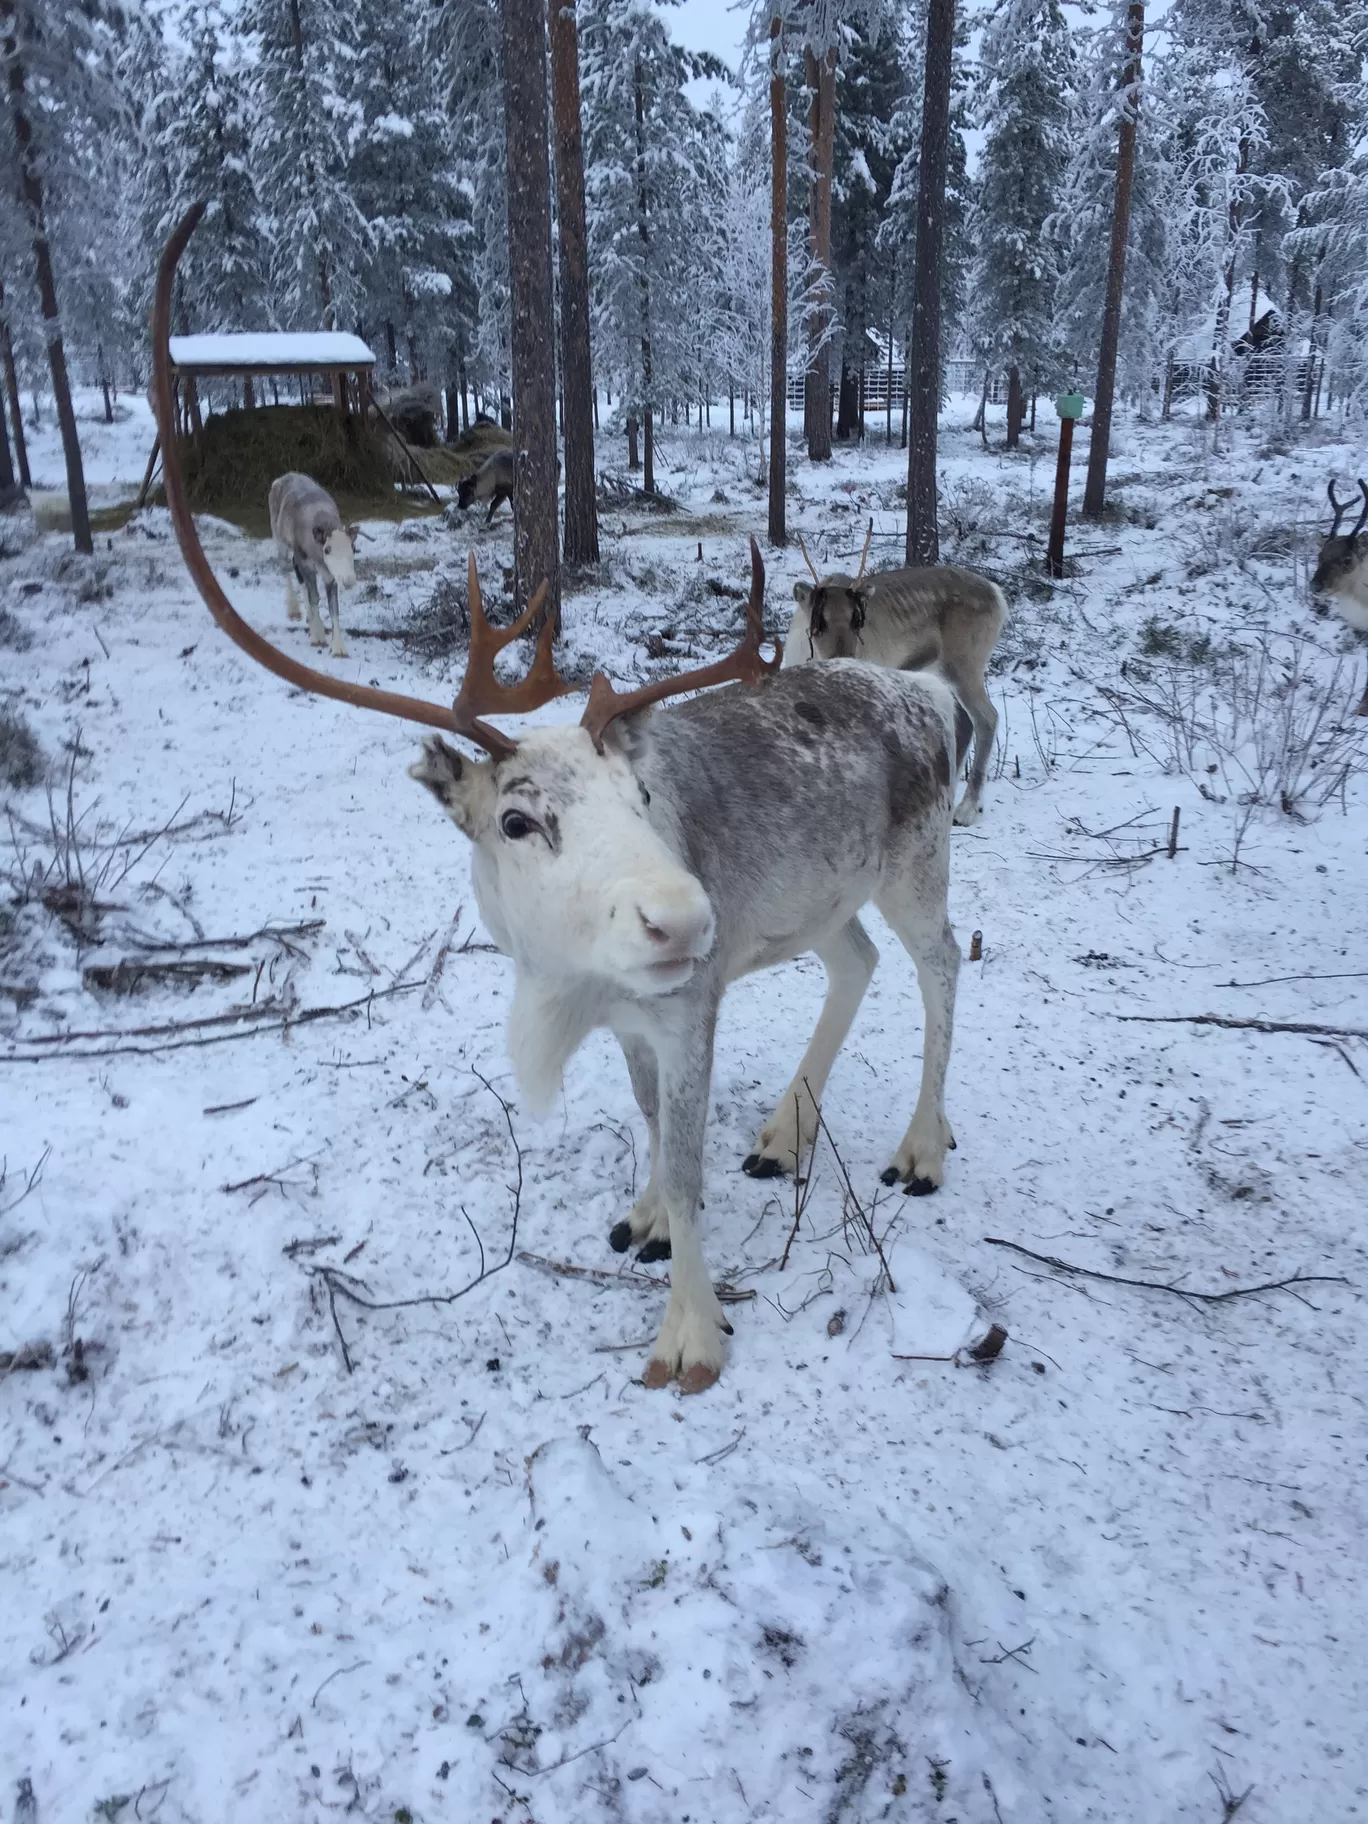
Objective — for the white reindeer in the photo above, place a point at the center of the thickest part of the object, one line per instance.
(634, 865)
(1341, 578)
(311, 538)
(941, 617)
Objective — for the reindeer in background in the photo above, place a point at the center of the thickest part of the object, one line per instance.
(941, 619)
(1341, 579)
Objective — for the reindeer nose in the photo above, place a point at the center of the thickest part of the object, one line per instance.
(686, 928)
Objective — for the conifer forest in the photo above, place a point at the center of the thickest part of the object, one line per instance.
(553, 554)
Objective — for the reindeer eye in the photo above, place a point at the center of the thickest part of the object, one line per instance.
(515, 825)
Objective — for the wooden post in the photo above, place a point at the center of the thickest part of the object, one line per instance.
(1069, 407)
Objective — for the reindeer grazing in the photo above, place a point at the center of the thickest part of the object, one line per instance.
(492, 481)
(678, 856)
(942, 618)
(1341, 579)
(310, 536)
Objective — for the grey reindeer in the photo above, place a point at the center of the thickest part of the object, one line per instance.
(938, 617)
(683, 850)
(492, 481)
(1340, 581)
(313, 542)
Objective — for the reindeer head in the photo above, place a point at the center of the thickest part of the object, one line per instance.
(336, 548)
(1342, 566)
(836, 606)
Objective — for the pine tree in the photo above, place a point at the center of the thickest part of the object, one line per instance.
(403, 176)
(581, 512)
(1027, 77)
(206, 147)
(924, 364)
(304, 120)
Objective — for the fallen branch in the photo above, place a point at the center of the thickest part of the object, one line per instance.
(433, 987)
(626, 1276)
(280, 934)
(254, 1020)
(341, 1285)
(1154, 1285)
(1221, 1019)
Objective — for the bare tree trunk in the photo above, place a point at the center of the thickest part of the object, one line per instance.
(12, 394)
(535, 537)
(1095, 491)
(9, 488)
(644, 235)
(778, 283)
(1015, 413)
(31, 187)
(581, 514)
(923, 537)
(1309, 383)
(633, 455)
(311, 173)
(817, 390)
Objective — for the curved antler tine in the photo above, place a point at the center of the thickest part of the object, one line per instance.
(387, 702)
(1337, 507)
(806, 559)
(482, 694)
(864, 555)
(743, 665)
(1363, 516)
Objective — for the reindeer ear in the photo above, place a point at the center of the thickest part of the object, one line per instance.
(459, 785)
(802, 594)
(353, 533)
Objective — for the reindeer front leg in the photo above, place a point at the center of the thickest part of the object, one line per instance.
(318, 634)
(689, 1346)
(339, 651)
(648, 1223)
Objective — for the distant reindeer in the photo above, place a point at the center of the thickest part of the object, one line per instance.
(310, 536)
(492, 481)
(1341, 579)
(942, 618)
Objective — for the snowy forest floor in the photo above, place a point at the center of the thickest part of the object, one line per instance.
(268, 1553)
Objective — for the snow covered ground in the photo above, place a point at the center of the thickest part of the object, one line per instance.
(268, 1553)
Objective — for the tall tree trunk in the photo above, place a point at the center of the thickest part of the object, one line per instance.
(536, 544)
(9, 488)
(581, 513)
(778, 283)
(644, 282)
(817, 389)
(1015, 412)
(923, 536)
(310, 169)
(31, 188)
(1095, 490)
(633, 454)
(12, 394)
(1308, 386)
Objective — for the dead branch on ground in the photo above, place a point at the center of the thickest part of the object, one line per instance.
(32, 1178)
(1153, 1285)
(1221, 1019)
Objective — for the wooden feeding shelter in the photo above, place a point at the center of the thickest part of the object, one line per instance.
(343, 361)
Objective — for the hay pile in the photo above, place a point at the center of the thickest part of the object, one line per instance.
(242, 452)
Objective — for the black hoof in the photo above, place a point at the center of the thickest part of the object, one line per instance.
(918, 1187)
(954, 1145)
(727, 1329)
(620, 1236)
(653, 1250)
(759, 1167)
(889, 1175)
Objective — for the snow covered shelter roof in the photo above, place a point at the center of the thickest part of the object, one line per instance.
(270, 352)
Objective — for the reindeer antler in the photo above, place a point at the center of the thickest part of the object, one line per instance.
(388, 702)
(807, 560)
(743, 665)
(1338, 507)
(481, 693)
(1363, 516)
(864, 555)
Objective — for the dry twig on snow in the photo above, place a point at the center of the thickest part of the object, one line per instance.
(1289, 1284)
